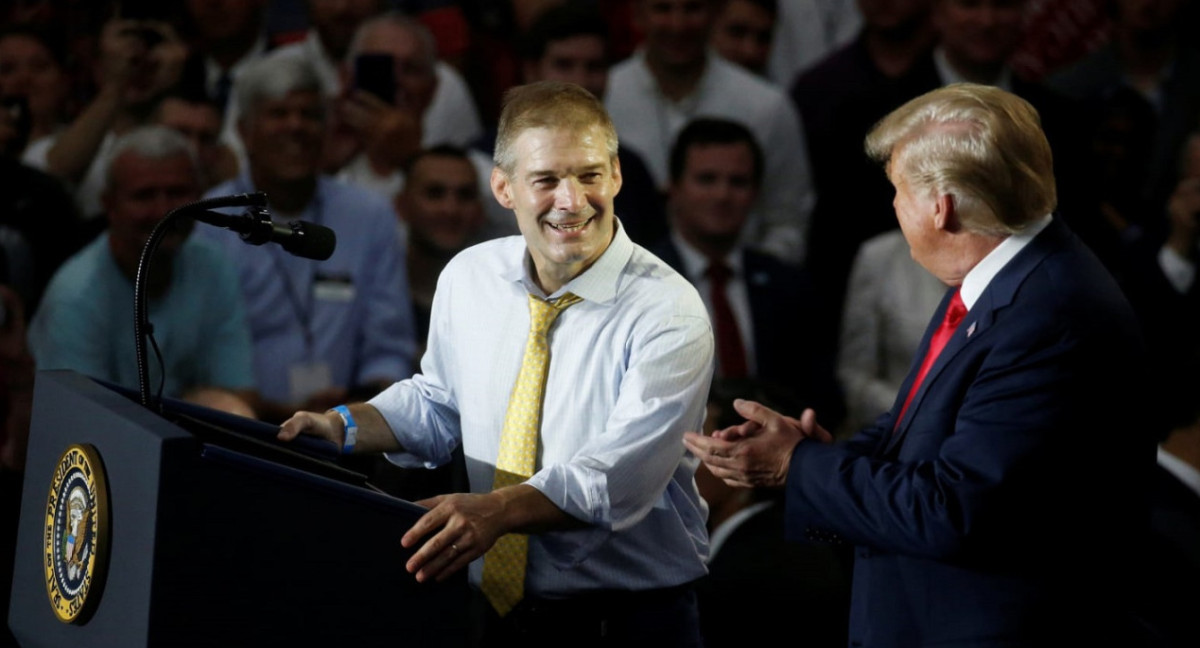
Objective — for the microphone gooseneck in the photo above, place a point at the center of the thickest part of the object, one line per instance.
(255, 227)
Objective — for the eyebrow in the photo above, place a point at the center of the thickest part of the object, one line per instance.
(599, 166)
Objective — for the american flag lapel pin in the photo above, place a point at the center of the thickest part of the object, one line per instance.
(971, 329)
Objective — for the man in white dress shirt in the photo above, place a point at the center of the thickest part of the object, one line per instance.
(674, 78)
(615, 523)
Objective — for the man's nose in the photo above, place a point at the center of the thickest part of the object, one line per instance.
(569, 195)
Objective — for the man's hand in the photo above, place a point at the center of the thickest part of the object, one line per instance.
(119, 49)
(756, 453)
(167, 58)
(467, 526)
(326, 426)
(388, 134)
(135, 68)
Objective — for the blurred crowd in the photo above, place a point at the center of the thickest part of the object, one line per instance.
(741, 126)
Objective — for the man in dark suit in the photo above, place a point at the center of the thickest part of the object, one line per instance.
(755, 300)
(997, 501)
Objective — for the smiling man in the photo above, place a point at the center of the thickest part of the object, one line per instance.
(326, 329)
(573, 431)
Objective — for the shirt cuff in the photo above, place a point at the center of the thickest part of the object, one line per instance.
(1179, 271)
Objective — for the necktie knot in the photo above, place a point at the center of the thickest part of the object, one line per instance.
(956, 311)
(718, 273)
(543, 312)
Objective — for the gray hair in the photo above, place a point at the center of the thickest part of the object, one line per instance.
(153, 142)
(274, 77)
(395, 19)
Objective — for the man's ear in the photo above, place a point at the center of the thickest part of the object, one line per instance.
(501, 188)
(945, 216)
(618, 180)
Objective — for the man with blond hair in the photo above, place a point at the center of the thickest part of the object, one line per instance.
(574, 435)
(997, 501)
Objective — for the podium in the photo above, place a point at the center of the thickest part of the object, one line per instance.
(203, 531)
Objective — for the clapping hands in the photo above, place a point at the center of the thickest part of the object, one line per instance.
(758, 452)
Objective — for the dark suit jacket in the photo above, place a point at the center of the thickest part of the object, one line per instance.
(786, 351)
(1001, 510)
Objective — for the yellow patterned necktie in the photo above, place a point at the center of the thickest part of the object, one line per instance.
(504, 564)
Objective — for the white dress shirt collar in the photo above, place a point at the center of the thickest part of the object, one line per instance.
(597, 284)
(982, 274)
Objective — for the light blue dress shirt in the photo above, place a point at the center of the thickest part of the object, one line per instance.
(629, 373)
(85, 321)
(351, 311)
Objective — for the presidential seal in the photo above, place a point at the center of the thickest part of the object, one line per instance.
(76, 534)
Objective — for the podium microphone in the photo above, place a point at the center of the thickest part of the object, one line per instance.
(298, 237)
(307, 240)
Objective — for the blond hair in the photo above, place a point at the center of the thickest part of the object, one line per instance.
(979, 144)
(549, 104)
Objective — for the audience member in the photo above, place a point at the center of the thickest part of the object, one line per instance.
(137, 62)
(320, 329)
(753, 572)
(441, 213)
(85, 320)
(757, 302)
(673, 78)
(451, 116)
(1058, 33)
(228, 36)
(1026, 405)
(198, 119)
(978, 39)
(605, 493)
(1149, 54)
(331, 28)
(839, 100)
(742, 32)
(1120, 135)
(807, 31)
(569, 43)
(39, 225)
(1161, 282)
(889, 298)
(32, 72)
(373, 136)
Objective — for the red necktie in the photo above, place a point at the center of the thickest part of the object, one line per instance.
(954, 315)
(730, 352)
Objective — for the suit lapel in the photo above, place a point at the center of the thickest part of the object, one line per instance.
(999, 293)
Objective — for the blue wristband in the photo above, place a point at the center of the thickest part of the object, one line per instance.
(350, 426)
